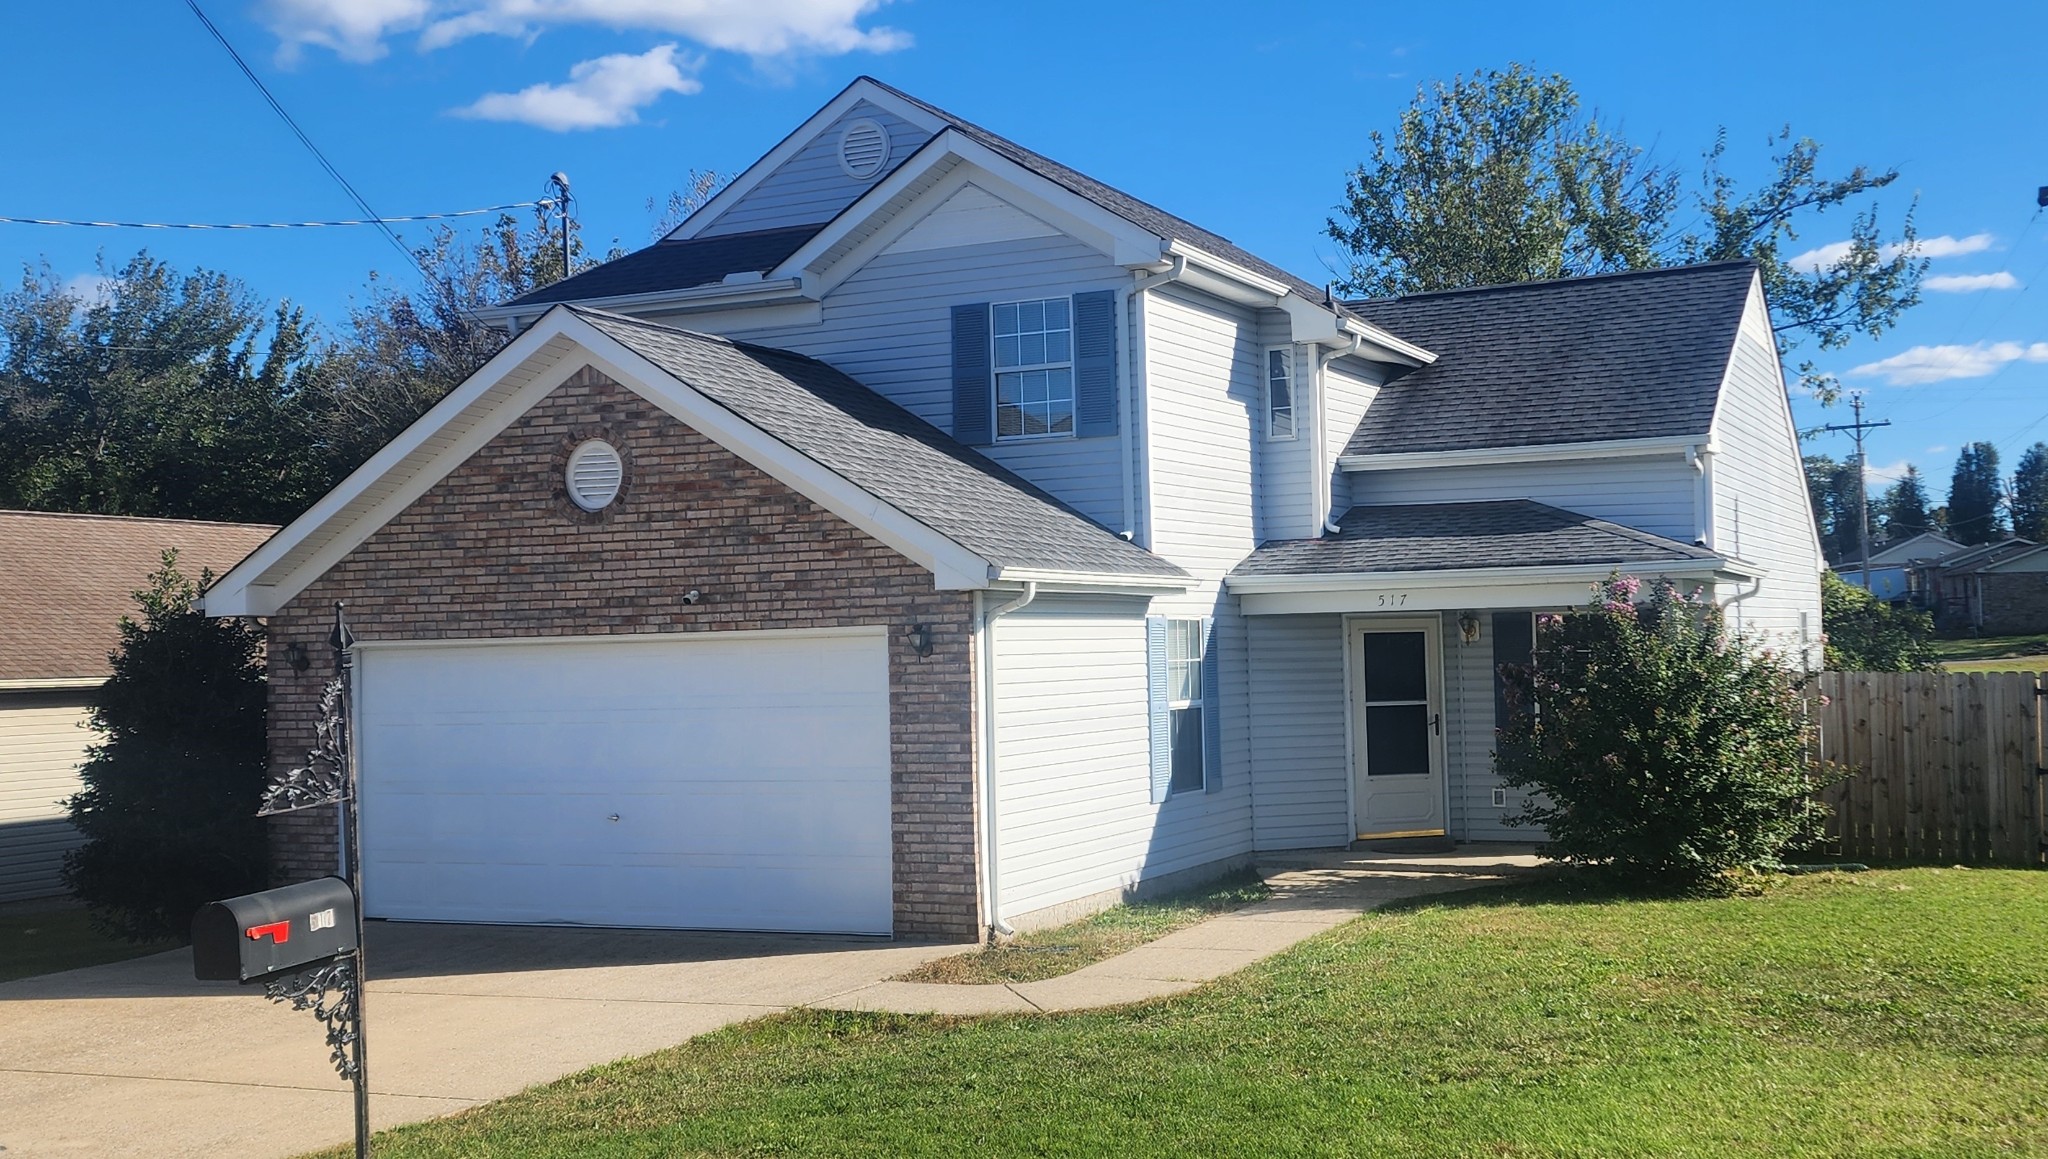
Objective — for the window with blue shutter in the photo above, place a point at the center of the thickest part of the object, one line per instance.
(1095, 363)
(973, 376)
(1160, 715)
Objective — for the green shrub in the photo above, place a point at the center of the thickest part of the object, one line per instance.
(169, 804)
(1660, 747)
(1865, 634)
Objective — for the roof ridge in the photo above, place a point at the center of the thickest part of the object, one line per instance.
(1539, 283)
(178, 520)
(716, 339)
(663, 240)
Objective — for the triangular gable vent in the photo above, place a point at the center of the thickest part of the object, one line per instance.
(863, 149)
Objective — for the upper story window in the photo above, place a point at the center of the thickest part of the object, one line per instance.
(1279, 393)
(1034, 368)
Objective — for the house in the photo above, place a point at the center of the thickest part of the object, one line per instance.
(926, 538)
(1989, 589)
(65, 583)
(1892, 565)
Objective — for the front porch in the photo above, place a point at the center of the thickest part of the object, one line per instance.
(1374, 659)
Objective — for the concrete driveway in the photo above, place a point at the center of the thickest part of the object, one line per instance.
(135, 1058)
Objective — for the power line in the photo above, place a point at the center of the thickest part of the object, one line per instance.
(376, 221)
(361, 203)
(1856, 430)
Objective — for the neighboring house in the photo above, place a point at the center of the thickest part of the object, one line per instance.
(65, 583)
(1892, 565)
(1990, 584)
(926, 538)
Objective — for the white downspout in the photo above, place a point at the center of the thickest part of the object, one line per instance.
(985, 693)
(1319, 492)
(1136, 412)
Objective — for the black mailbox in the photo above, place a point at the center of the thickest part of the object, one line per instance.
(248, 938)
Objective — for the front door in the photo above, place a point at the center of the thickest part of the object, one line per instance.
(1397, 727)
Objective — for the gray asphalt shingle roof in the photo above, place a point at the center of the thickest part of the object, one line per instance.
(677, 265)
(887, 451)
(1618, 356)
(1453, 536)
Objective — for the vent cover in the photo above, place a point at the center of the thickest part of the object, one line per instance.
(594, 475)
(863, 149)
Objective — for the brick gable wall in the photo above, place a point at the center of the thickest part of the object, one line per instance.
(497, 549)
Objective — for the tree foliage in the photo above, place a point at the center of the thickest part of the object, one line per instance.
(1659, 747)
(1902, 512)
(1866, 634)
(1831, 488)
(168, 807)
(1974, 493)
(2030, 494)
(1504, 177)
(138, 400)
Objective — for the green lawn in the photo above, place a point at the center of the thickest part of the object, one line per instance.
(44, 943)
(1891, 1013)
(1064, 949)
(1993, 653)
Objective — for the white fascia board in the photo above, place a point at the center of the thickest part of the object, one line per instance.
(1473, 588)
(1052, 580)
(53, 684)
(1400, 349)
(1071, 214)
(860, 90)
(717, 296)
(1488, 456)
(1272, 289)
(239, 593)
(249, 590)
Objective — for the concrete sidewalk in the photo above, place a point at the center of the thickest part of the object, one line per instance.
(1310, 895)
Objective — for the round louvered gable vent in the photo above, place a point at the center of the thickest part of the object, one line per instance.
(595, 474)
(863, 149)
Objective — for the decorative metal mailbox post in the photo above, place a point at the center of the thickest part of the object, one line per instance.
(304, 942)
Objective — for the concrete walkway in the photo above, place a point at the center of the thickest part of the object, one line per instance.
(1310, 895)
(135, 1058)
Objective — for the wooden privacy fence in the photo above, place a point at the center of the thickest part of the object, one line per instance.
(1945, 766)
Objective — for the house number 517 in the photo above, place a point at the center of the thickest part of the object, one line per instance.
(1393, 599)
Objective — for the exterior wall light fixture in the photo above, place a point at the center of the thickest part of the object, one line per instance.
(295, 655)
(1468, 627)
(920, 637)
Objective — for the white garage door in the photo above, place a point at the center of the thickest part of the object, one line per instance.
(731, 780)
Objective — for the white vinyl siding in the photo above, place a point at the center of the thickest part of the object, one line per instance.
(1469, 738)
(1301, 794)
(1761, 512)
(43, 738)
(1202, 390)
(890, 327)
(1074, 816)
(1279, 370)
(1349, 386)
(1655, 495)
(812, 187)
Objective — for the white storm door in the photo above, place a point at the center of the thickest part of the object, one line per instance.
(1395, 672)
(716, 780)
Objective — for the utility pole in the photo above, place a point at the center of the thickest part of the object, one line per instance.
(560, 181)
(1856, 430)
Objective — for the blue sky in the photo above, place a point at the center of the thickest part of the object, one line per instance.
(1241, 117)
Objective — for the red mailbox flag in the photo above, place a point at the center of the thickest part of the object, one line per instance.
(278, 932)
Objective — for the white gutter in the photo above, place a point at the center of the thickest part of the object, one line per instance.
(1132, 399)
(985, 695)
(1479, 576)
(52, 684)
(1319, 493)
(1091, 581)
(1487, 456)
(717, 295)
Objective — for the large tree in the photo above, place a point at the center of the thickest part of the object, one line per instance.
(1903, 510)
(1505, 177)
(2030, 494)
(163, 392)
(1973, 496)
(1831, 488)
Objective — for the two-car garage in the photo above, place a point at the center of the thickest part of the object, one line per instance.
(705, 780)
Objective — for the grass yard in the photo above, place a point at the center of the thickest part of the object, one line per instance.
(1993, 653)
(62, 939)
(1893, 1013)
(1064, 949)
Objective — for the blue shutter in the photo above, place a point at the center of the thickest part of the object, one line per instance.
(1212, 707)
(974, 389)
(1162, 720)
(1095, 363)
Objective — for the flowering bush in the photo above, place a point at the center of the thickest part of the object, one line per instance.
(1658, 746)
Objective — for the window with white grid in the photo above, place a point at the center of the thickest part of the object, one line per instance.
(1034, 365)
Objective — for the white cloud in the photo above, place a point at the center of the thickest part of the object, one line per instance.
(1943, 246)
(1970, 283)
(93, 289)
(357, 29)
(1924, 364)
(353, 29)
(1938, 449)
(601, 94)
(1885, 473)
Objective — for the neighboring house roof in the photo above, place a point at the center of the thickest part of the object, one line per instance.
(1638, 355)
(678, 264)
(886, 451)
(66, 581)
(1453, 536)
(2010, 560)
(1927, 545)
(1981, 556)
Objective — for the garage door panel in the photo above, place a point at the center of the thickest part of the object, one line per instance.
(749, 773)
